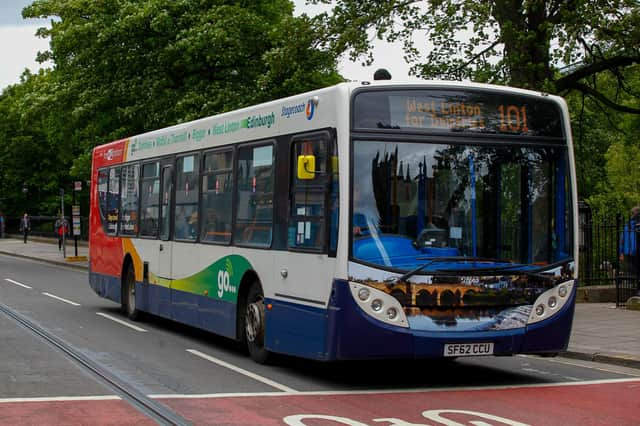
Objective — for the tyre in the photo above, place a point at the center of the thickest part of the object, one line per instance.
(129, 294)
(254, 325)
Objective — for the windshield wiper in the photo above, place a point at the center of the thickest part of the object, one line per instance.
(432, 260)
(538, 272)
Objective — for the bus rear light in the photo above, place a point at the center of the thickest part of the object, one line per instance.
(378, 304)
(550, 302)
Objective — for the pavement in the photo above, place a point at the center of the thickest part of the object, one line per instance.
(601, 332)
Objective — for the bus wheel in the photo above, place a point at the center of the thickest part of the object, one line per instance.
(254, 324)
(129, 295)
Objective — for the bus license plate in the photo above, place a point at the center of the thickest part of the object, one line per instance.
(468, 349)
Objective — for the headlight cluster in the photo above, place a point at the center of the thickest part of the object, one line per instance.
(379, 304)
(550, 302)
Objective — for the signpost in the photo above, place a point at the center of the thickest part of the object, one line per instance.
(75, 216)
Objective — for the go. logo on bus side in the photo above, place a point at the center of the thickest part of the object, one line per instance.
(224, 284)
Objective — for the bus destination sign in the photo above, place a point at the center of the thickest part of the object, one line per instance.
(457, 111)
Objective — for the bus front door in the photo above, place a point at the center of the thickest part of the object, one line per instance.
(165, 246)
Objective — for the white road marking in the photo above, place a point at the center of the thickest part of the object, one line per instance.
(119, 321)
(617, 369)
(243, 371)
(316, 393)
(394, 391)
(16, 283)
(61, 398)
(53, 296)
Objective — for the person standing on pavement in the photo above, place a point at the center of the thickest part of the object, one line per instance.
(629, 244)
(25, 226)
(62, 228)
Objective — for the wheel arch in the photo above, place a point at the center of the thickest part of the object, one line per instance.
(248, 279)
(127, 262)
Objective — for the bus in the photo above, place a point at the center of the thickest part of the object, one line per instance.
(367, 220)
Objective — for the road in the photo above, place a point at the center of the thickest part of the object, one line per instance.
(204, 379)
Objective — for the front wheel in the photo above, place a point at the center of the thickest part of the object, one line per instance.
(129, 294)
(254, 325)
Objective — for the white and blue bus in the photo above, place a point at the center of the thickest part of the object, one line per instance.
(359, 221)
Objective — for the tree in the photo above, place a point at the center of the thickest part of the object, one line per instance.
(552, 45)
(124, 67)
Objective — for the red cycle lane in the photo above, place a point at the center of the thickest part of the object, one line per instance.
(589, 404)
(595, 403)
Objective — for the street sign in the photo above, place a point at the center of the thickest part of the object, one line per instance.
(77, 185)
(76, 226)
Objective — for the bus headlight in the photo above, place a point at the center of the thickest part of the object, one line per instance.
(379, 305)
(562, 290)
(363, 294)
(392, 313)
(550, 302)
(376, 305)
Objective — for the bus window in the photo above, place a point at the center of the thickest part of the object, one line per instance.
(150, 200)
(254, 208)
(186, 217)
(113, 201)
(217, 190)
(165, 206)
(103, 184)
(129, 195)
(307, 212)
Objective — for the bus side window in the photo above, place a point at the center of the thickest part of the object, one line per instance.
(254, 207)
(113, 201)
(217, 190)
(129, 199)
(103, 185)
(150, 200)
(307, 217)
(187, 179)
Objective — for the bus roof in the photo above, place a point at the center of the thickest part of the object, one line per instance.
(306, 111)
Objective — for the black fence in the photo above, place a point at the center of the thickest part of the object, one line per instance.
(600, 249)
(45, 226)
(599, 244)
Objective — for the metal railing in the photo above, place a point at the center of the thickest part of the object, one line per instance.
(599, 245)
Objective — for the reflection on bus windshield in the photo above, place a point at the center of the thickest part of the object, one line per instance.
(414, 201)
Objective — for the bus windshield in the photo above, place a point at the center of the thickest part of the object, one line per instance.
(416, 201)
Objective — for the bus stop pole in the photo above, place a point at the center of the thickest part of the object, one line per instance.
(75, 237)
(64, 241)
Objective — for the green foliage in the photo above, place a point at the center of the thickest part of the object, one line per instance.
(516, 42)
(123, 67)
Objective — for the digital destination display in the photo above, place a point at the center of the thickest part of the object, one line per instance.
(457, 111)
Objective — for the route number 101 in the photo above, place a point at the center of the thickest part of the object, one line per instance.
(513, 118)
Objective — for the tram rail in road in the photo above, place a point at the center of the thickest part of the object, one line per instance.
(149, 407)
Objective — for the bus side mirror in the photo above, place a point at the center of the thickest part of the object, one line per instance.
(306, 167)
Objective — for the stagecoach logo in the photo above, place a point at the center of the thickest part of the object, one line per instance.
(311, 107)
(111, 153)
(308, 108)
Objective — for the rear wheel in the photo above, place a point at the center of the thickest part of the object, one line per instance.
(129, 294)
(254, 325)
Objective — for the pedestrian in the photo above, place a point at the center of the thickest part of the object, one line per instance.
(628, 244)
(1, 225)
(25, 226)
(62, 229)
